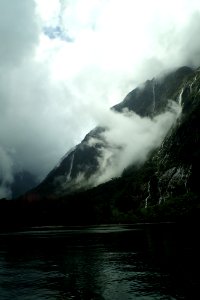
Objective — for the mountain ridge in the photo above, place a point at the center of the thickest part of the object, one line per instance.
(148, 100)
(163, 188)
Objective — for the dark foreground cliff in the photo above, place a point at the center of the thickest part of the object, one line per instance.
(164, 188)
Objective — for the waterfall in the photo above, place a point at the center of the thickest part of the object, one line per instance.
(191, 85)
(148, 197)
(154, 96)
(180, 97)
(70, 168)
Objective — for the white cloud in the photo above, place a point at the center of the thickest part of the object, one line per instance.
(18, 32)
(129, 139)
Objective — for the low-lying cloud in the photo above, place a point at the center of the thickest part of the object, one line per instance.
(129, 139)
(51, 88)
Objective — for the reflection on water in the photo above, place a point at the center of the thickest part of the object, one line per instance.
(105, 262)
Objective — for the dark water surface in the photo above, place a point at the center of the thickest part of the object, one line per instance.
(105, 262)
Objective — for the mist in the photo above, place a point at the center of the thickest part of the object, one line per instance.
(61, 62)
(127, 140)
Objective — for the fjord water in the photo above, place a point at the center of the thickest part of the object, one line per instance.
(119, 262)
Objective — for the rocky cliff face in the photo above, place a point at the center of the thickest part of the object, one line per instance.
(177, 160)
(77, 169)
(151, 98)
(164, 188)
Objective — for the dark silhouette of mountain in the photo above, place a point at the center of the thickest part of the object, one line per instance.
(164, 188)
(22, 183)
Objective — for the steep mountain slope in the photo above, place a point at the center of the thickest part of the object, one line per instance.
(78, 168)
(164, 188)
(178, 158)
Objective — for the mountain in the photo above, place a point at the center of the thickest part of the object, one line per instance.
(17, 184)
(163, 188)
(22, 182)
(80, 166)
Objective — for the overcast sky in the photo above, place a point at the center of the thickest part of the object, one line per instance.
(63, 62)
